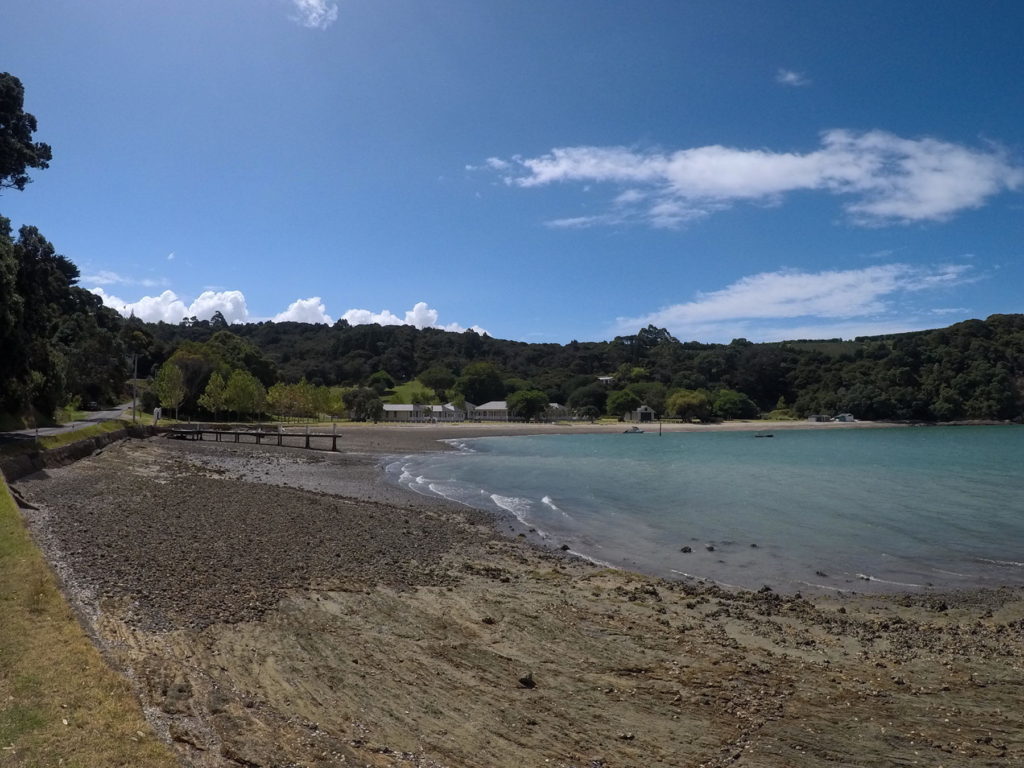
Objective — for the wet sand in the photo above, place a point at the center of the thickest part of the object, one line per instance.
(282, 607)
(381, 439)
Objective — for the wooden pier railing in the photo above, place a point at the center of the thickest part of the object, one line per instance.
(260, 435)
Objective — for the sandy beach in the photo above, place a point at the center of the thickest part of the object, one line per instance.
(414, 438)
(279, 607)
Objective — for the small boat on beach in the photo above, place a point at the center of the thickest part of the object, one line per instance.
(633, 431)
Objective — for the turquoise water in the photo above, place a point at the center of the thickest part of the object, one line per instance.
(860, 509)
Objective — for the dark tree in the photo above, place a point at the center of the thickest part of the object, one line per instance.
(592, 395)
(381, 382)
(437, 378)
(363, 404)
(622, 402)
(527, 404)
(17, 150)
(481, 383)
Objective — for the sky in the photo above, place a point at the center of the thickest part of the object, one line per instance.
(541, 170)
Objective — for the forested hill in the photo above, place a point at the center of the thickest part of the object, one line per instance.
(970, 370)
(59, 346)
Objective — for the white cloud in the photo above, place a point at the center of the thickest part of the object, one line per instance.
(885, 179)
(104, 277)
(315, 14)
(231, 304)
(169, 308)
(170, 256)
(580, 222)
(834, 302)
(791, 78)
(108, 277)
(309, 310)
(367, 317)
(420, 316)
(166, 307)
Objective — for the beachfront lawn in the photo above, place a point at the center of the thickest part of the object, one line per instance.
(60, 704)
(403, 393)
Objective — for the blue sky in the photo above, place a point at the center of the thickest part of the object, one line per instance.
(542, 170)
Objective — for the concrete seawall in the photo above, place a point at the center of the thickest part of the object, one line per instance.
(16, 467)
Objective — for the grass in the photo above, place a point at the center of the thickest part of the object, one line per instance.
(60, 704)
(403, 393)
(93, 430)
(49, 442)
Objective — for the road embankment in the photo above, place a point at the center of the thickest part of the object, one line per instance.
(75, 445)
(60, 703)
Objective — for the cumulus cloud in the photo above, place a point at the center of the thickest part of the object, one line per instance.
(309, 310)
(420, 316)
(231, 304)
(315, 14)
(169, 308)
(368, 317)
(788, 303)
(883, 178)
(166, 307)
(791, 78)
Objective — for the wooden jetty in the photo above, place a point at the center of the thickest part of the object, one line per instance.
(259, 436)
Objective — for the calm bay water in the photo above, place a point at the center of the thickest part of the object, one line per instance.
(858, 509)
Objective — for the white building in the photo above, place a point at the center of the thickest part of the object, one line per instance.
(643, 413)
(422, 413)
(495, 410)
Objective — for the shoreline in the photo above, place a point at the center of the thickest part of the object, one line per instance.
(750, 569)
(277, 606)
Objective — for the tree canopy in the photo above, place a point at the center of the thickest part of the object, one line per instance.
(170, 386)
(527, 404)
(621, 402)
(18, 152)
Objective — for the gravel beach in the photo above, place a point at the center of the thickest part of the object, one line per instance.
(280, 607)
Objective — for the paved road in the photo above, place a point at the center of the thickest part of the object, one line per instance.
(93, 417)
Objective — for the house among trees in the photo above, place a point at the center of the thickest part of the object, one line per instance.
(818, 418)
(643, 413)
(556, 411)
(844, 417)
(495, 410)
(448, 412)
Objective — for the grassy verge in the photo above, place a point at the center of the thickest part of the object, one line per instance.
(60, 704)
(49, 442)
(93, 430)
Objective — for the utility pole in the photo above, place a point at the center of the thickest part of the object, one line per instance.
(135, 378)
